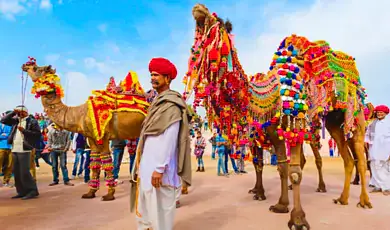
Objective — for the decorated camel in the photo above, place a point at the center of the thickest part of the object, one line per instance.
(114, 113)
(316, 87)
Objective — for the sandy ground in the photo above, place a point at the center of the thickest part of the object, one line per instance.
(213, 203)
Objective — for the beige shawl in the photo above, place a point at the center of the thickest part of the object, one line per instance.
(168, 108)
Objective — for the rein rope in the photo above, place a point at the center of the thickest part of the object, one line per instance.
(24, 87)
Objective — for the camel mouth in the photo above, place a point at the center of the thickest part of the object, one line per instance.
(24, 67)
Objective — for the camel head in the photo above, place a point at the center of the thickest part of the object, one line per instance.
(201, 15)
(35, 71)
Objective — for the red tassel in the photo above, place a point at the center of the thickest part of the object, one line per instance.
(224, 50)
(213, 55)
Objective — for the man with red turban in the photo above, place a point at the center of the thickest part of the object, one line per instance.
(378, 139)
(163, 158)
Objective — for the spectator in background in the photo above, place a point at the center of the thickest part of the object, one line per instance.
(5, 153)
(118, 149)
(200, 145)
(332, 147)
(220, 150)
(87, 171)
(132, 148)
(78, 147)
(24, 135)
(39, 153)
(58, 145)
(213, 142)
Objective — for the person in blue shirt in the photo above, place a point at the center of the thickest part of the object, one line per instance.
(220, 141)
(5, 154)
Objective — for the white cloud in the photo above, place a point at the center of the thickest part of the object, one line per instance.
(78, 87)
(51, 58)
(60, 2)
(10, 8)
(46, 5)
(103, 27)
(70, 62)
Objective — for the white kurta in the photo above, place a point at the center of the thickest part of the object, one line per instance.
(378, 138)
(157, 206)
(17, 145)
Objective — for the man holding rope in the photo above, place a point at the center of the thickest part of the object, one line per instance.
(24, 135)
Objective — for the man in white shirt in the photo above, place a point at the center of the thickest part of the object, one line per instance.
(24, 136)
(378, 139)
(163, 154)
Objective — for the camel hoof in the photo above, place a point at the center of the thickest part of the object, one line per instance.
(298, 221)
(259, 197)
(365, 205)
(321, 190)
(279, 208)
(252, 191)
(355, 182)
(108, 197)
(89, 195)
(290, 187)
(339, 201)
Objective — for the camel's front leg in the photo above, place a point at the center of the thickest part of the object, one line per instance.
(282, 205)
(94, 182)
(357, 146)
(338, 135)
(356, 180)
(259, 195)
(110, 182)
(298, 216)
(317, 155)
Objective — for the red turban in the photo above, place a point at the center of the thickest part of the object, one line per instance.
(382, 108)
(163, 66)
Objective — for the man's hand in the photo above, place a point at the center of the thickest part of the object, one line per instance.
(20, 128)
(157, 179)
(50, 149)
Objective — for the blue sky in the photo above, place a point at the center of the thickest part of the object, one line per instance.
(88, 41)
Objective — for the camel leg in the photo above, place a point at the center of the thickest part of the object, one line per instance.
(298, 216)
(303, 163)
(317, 155)
(255, 154)
(109, 176)
(259, 195)
(357, 178)
(338, 135)
(357, 146)
(94, 182)
(280, 149)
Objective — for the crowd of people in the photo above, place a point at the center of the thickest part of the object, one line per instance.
(23, 144)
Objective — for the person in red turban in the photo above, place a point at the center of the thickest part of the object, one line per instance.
(164, 160)
(162, 72)
(382, 108)
(378, 139)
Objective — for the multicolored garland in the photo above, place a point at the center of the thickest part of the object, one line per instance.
(49, 83)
